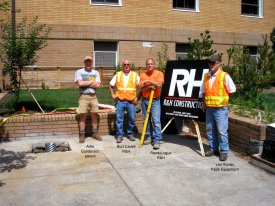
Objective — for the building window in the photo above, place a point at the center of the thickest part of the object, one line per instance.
(105, 54)
(253, 52)
(107, 2)
(252, 8)
(186, 5)
(181, 51)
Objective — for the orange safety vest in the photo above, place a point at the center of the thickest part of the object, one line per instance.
(129, 92)
(217, 96)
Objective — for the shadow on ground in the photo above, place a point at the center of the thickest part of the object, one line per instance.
(10, 160)
(187, 141)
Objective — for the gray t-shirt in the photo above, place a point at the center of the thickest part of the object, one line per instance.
(84, 75)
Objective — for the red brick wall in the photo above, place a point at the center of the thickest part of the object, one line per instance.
(66, 125)
(240, 130)
(54, 125)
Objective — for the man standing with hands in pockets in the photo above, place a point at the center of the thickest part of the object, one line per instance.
(152, 80)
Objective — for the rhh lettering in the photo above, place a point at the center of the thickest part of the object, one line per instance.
(189, 78)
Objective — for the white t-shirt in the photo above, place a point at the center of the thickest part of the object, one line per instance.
(84, 75)
(229, 84)
(125, 77)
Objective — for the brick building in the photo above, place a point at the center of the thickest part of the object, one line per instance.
(111, 30)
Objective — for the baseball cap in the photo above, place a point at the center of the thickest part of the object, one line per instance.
(88, 58)
(213, 59)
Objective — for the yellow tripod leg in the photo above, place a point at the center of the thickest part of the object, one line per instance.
(146, 119)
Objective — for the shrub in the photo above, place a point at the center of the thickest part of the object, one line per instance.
(201, 48)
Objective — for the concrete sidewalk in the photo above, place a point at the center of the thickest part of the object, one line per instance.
(100, 173)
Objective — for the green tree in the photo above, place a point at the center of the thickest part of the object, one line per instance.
(163, 57)
(251, 76)
(19, 49)
(266, 62)
(201, 48)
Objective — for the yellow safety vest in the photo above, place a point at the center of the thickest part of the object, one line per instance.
(217, 96)
(127, 93)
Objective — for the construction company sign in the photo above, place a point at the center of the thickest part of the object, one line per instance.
(181, 95)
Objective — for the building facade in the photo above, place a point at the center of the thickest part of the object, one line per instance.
(111, 30)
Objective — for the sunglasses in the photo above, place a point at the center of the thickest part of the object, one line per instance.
(126, 64)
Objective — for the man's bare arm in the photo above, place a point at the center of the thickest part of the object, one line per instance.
(89, 83)
(111, 89)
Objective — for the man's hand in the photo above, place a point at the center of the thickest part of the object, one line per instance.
(114, 96)
(145, 83)
(93, 84)
(203, 107)
(151, 87)
(135, 101)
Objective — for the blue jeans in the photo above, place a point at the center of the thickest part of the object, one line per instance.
(216, 128)
(153, 130)
(129, 107)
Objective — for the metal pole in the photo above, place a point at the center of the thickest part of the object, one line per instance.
(13, 17)
(146, 119)
(13, 33)
(32, 95)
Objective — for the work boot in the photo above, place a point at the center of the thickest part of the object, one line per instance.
(147, 141)
(97, 136)
(223, 156)
(81, 137)
(156, 145)
(211, 153)
(132, 137)
(119, 140)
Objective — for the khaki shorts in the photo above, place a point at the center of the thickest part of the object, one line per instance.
(87, 103)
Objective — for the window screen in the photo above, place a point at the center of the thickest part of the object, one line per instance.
(105, 54)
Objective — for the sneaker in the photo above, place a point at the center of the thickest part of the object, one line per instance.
(147, 141)
(211, 153)
(156, 145)
(119, 140)
(81, 138)
(132, 137)
(97, 136)
(223, 157)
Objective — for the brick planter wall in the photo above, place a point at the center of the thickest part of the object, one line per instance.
(240, 131)
(55, 125)
(44, 126)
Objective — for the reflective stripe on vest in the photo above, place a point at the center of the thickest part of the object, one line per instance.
(217, 96)
(129, 92)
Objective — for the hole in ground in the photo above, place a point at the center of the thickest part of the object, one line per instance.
(52, 146)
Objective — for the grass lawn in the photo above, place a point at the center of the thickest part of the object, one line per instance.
(268, 101)
(52, 99)
(49, 100)
(265, 103)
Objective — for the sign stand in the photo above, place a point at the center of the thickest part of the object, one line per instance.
(199, 138)
(198, 134)
(167, 125)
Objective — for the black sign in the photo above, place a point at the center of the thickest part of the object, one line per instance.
(181, 96)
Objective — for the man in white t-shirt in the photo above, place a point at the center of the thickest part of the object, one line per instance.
(126, 82)
(216, 88)
(88, 81)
